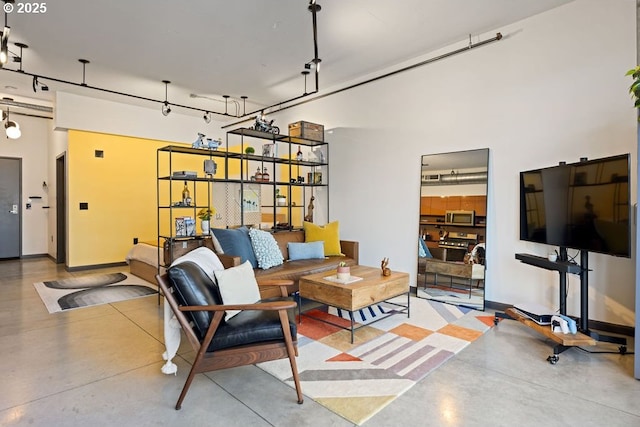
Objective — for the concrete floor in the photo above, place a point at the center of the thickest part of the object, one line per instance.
(100, 366)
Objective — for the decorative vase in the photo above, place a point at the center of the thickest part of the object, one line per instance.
(281, 201)
(205, 226)
(344, 273)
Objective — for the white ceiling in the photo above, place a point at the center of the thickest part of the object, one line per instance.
(256, 48)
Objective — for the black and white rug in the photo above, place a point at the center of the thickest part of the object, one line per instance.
(90, 290)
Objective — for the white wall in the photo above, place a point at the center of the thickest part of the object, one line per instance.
(553, 89)
(31, 147)
(94, 115)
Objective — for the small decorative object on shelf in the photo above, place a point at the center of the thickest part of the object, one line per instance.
(205, 215)
(343, 272)
(210, 167)
(258, 176)
(299, 154)
(185, 226)
(190, 225)
(249, 150)
(309, 216)
(213, 144)
(314, 177)
(386, 271)
(265, 175)
(264, 125)
(199, 142)
(281, 199)
(307, 130)
(268, 150)
(203, 142)
(186, 195)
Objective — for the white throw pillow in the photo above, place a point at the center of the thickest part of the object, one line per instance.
(205, 258)
(237, 285)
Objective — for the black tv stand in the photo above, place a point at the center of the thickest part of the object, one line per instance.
(583, 325)
(564, 266)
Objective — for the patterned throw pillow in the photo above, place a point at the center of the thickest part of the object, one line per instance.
(265, 248)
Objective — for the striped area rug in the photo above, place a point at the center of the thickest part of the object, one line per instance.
(386, 359)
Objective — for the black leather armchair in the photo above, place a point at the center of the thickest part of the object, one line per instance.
(259, 333)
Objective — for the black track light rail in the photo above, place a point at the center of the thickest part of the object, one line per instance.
(313, 8)
(113, 92)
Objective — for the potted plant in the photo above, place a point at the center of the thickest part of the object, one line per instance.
(634, 89)
(344, 271)
(205, 215)
(281, 199)
(249, 150)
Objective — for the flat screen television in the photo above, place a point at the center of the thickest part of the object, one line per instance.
(583, 205)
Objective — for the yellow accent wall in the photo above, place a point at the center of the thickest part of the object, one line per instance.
(120, 190)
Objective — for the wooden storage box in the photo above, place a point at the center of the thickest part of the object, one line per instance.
(307, 130)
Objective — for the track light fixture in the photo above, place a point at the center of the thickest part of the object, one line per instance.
(11, 128)
(165, 106)
(84, 63)
(18, 58)
(207, 117)
(4, 45)
(35, 84)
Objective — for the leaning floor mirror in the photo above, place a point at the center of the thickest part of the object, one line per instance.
(452, 230)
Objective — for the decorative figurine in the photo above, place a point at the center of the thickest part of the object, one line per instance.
(207, 143)
(264, 125)
(213, 144)
(309, 216)
(199, 143)
(386, 271)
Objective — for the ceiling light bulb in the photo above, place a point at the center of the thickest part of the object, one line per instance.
(207, 117)
(12, 129)
(166, 109)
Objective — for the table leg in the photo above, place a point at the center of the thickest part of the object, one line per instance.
(351, 317)
(408, 304)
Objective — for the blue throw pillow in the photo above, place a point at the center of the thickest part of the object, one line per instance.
(308, 250)
(265, 248)
(236, 242)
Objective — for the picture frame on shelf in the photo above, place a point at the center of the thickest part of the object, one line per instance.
(181, 227)
(268, 150)
(250, 201)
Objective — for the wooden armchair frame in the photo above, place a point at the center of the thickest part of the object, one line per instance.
(241, 355)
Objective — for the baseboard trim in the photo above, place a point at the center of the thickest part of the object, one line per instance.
(34, 256)
(94, 266)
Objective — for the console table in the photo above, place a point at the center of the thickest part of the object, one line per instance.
(469, 272)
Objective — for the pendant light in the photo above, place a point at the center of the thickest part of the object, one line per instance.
(12, 129)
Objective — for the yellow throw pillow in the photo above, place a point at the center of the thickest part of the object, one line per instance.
(329, 234)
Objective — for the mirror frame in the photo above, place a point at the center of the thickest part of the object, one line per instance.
(461, 171)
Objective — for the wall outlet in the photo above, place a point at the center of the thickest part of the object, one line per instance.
(135, 240)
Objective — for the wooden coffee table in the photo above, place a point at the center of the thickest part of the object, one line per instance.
(374, 288)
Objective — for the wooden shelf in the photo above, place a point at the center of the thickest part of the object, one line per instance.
(567, 340)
